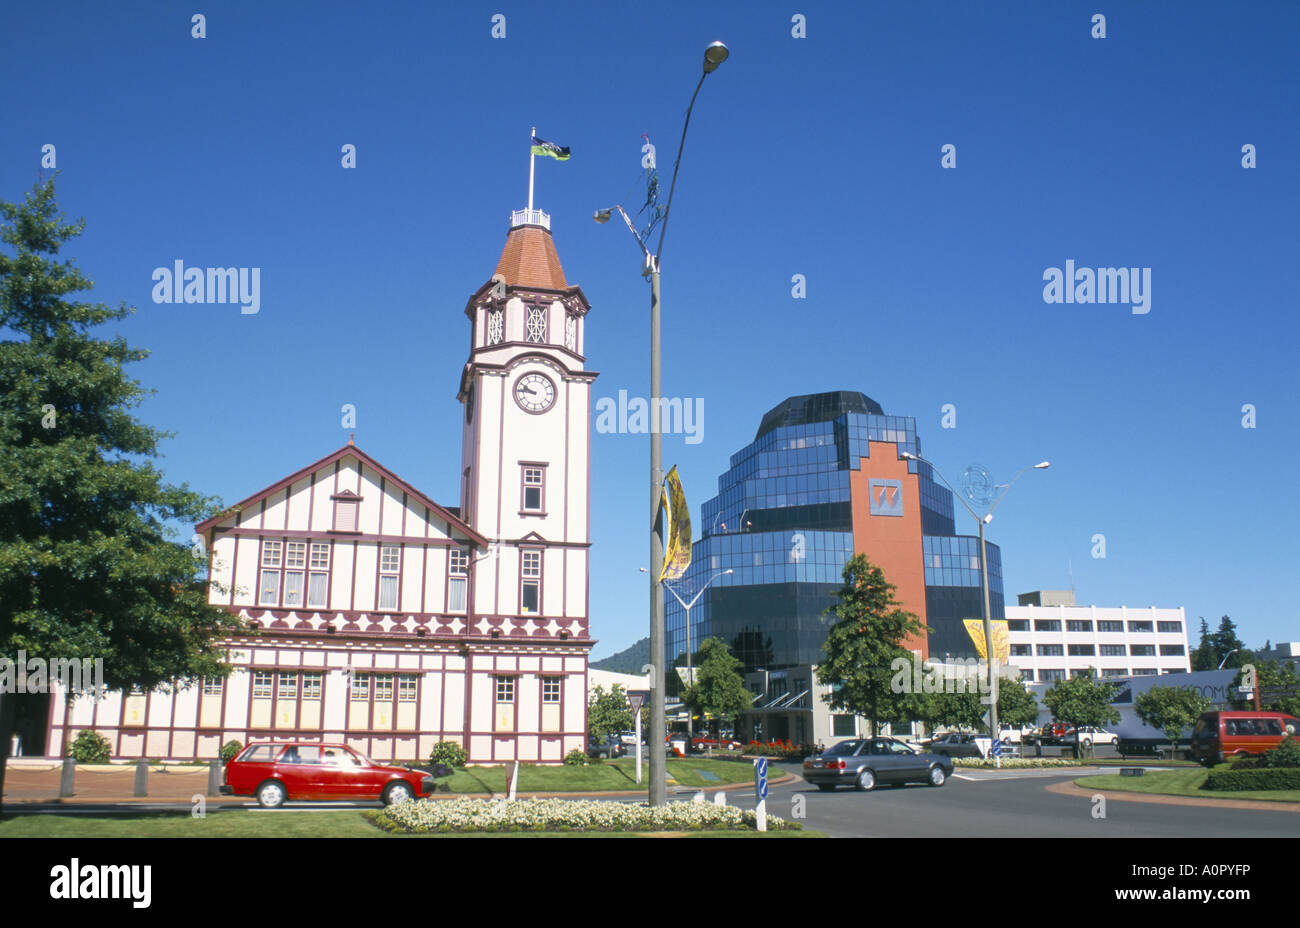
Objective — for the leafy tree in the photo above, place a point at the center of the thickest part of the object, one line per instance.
(609, 713)
(1279, 688)
(1171, 709)
(1082, 700)
(719, 689)
(1016, 705)
(88, 565)
(862, 644)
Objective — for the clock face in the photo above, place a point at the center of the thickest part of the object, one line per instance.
(534, 393)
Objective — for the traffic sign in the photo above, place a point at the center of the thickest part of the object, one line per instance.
(760, 777)
(997, 748)
(634, 702)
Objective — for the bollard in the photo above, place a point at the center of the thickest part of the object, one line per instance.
(698, 797)
(141, 778)
(720, 798)
(68, 778)
(214, 778)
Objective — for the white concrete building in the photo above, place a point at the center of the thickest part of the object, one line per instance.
(1049, 642)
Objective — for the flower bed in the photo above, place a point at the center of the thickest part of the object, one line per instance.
(1013, 762)
(487, 815)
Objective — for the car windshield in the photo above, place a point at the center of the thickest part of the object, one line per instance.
(844, 747)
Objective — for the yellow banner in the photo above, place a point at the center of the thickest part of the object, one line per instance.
(677, 518)
(1001, 638)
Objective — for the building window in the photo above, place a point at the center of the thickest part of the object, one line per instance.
(345, 513)
(842, 726)
(383, 687)
(295, 559)
(1027, 676)
(263, 680)
(1082, 650)
(550, 689)
(571, 332)
(360, 687)
(318, 580)
(1171, 649)
(505, 689)
(211, 686)
(1115, 672)
(1049, 675)
(288, 688)
(1105, 626)
(1143, 650)
(495, 326)
(1114, 650)
(1144, 671)
(390, 561)
(406, 687)
(272, 560)
(530, 583)
(1020, 650)
(1017, 625)
(311, 685)
(1170, 628)
(535, 324)
(1139, 626)
(1051, 650)
(1078, 625)
(1047, 625)
(534, 485)
(457, 580)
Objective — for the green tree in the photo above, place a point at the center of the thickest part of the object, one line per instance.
(1171, 709)
(952, 710)
(1279, 686)
(609, 713)
(89, 564)
(862, 645)
(1204, 657)
(719, 691)
(1082, 700)
(1228, 645)
(1016, 705)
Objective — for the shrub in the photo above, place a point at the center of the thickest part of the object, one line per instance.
(1260, 779)
(230, 750)
(783, 750)
(575, 758)
(449, 753)
(1285, 755)
(90, 748)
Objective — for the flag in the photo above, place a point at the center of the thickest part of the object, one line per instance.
(677, 552)
(549, 149)
(1001, 633)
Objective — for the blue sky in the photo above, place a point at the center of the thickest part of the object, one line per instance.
(817, 156)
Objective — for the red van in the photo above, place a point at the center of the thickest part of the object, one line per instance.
(1221, 735)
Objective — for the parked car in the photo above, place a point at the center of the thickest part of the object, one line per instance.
(865, 762)
(1052, 733)
(1090, 736)
(706, 742)
(627, 737)
(278, 772)
(608, 747)
(960, 744)
(1220, 735)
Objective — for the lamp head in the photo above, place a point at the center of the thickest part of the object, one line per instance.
(714, 55)
(1042, 465)
(602, 215)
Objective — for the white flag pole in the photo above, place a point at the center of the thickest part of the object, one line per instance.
(531, 159)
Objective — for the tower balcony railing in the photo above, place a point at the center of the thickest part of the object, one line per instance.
(530, 217)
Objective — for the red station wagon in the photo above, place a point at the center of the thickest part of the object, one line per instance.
(1221, 735)
(276, 772)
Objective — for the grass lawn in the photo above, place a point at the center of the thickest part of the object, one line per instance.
(1180, 782)
(243, 823)
(610, 775)
(1144, 762)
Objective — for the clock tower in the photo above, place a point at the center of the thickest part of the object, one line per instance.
(525, 463)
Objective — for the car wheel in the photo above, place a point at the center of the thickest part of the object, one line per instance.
(826, 787)
(271, 794)
(866, 781)
(937, 776)
(397, 791)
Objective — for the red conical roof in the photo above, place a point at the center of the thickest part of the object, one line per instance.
(529, 260)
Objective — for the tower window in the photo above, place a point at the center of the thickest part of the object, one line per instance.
(534, 486)
(571, 332)
(530, 582)
(535, 324)
(495, 326)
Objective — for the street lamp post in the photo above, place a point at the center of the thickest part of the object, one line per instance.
(714, 55)
(983, 520)
(690, 669)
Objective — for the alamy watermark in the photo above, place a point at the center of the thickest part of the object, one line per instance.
(1130, 285)
(671, 415)
(37, 675)
(181, 284)
(955, 675)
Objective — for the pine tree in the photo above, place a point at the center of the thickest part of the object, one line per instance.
(88, 564)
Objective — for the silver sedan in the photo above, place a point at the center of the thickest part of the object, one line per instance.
(866, 762)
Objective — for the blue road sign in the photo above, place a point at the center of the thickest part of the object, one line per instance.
(997, 748)
(760, 777)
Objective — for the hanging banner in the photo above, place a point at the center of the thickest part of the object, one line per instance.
(1001, 638)
(677, 516)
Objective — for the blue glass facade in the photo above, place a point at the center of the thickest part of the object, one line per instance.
(782, 522)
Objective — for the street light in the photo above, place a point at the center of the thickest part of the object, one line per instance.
(984, 579)
(714, 55)
(1226, 656)
(690, 669)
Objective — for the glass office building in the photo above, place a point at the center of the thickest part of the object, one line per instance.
(821, 480)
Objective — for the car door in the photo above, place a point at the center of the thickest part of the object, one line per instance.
(888, 765)
(910, 765)
(298, 768)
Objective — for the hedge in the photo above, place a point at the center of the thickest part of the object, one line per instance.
(1260, 778)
